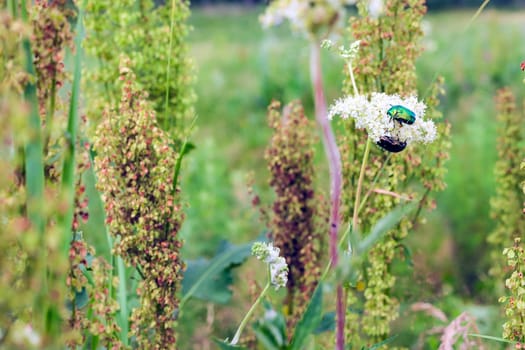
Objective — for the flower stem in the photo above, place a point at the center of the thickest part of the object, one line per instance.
(244, 321)
(330, 145)
(352, 79)
(169, 123)
(360, 185)
(379, 173)
(334, 164)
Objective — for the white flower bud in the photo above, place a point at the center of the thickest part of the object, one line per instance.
(278, 267)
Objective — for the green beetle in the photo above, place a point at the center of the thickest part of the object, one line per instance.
(391, 144)
(401, 114)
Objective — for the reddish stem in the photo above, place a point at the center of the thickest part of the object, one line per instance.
(334, 163)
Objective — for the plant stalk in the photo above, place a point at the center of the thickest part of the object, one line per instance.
(379, 173)
(360, 185)
(335, 168)
(168, 68)
(244, 321)
(352, 79)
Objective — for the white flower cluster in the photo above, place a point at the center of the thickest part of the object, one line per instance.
(370, 113)
(278, 267)
(303, 14)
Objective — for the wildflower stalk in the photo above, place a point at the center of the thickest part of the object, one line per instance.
(332, 152)
(244, 321)
(50, 114)
(68, 172)
(277, 275)
(378, 175)
(34, 165)
(168, 67)
(34, 162)
(360, 185)
(11, 5)
(454, 47)
(335, 168)
(352, 78)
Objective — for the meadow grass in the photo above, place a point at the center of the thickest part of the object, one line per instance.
(241, 68)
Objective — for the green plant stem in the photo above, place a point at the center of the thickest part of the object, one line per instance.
(378, 175)
(360, 184)
(34, 180)
(168, 69)
(68, 170)
(244, 321)
(352, 79)
(176, 172)
(452, 50)
(122, 300)
(11, 5)
(50, 115)
(355, 216)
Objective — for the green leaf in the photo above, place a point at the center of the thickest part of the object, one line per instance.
(310, 320)
(327, 323)
(81, 299)
(68, 170)
(34, 162)
(265, 337)
(95, 230)
(501, 340)
(385, 224)
(97, 224)
(184, 147)
(270, 329)
(408, 254)
(381, 343)
(223, 345)
(123, 315)
(209, 279)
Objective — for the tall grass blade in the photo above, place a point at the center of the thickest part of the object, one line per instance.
(123, 301)
(455, 46)
(310, 320)
(68, 170)
(119, 269)
(169, 124)
(34, 161)
(501, 340)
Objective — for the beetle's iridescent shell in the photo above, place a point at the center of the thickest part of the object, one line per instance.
(402, 114)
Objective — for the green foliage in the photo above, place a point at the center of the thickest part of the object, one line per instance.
(122, 27)
(507, 202)
(270, 329)
(210, 279)
(135, 167)
(310, 319)
(241, 70)
(514, 326)
(386, 60)
(298, 217)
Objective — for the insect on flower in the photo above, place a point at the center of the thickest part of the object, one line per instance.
(377, 112)
(391, 144)
(401, 114)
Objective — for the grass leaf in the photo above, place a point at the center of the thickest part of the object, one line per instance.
(501, 340)
(310, 320)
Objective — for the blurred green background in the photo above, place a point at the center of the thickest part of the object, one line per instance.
(241, 68)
